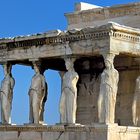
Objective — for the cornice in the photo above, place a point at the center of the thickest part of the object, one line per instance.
(53, 128)
(31, 128)
(107, 31)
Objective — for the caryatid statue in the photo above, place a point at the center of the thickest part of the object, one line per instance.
(136, 104)
(108, 91)
(38, 95)
(68, 101)
(6, 94)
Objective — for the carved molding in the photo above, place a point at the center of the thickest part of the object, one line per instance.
(103, 32)
(74, 128)
(55, 40)
(126, 37)
(31, 128)
(55, 128)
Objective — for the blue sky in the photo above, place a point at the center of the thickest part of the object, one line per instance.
(23, 17)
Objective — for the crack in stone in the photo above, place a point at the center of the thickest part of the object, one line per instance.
(60, 135)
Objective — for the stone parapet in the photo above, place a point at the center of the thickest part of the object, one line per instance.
(122, 14)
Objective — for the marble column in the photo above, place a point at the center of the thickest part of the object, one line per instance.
(37, 95)
(108, 91)
(68, 101)
(6, 94)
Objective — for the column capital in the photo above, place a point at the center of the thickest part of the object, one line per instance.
(109, 56)
(109, 53)
(34, 59)
(71, 58)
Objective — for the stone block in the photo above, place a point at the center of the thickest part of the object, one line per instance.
(9, 135)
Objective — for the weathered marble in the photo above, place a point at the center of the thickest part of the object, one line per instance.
(87, 104)
(96, 16)
(88, 89)
(85, 6)
(93, 132)
(6, 94)
(68, 102)
(108, 91)
(136, 104)
(86, 82)
(90, 34)
(38, 95)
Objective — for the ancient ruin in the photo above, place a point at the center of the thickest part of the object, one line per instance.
(98, 59)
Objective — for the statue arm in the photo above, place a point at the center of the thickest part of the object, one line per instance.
(134, 112)
(117, 76)
(30, 87)
(43, 82)
(12, 83)
(116, 81)
(77, 76)
(43, 85)
(44, 90)
(10, 94)
(61, 73)
(137, 87)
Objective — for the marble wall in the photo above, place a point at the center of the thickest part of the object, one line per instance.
(93, 132)
(88, 89)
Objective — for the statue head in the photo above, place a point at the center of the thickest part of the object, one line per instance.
(37, 66)
(7, 68)
(109, 59)
(69, 63)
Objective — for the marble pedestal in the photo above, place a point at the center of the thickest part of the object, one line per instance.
(77, 132)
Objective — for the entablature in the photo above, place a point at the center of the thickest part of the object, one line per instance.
(111, 38)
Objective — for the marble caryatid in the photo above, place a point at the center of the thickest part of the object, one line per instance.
(68, 102)
(108, 91)
(6, 94)
(38, 95)
(136, 104)
(41, 121)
